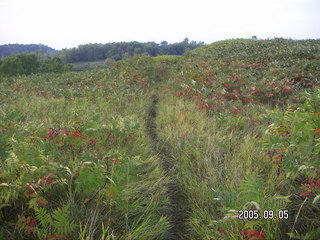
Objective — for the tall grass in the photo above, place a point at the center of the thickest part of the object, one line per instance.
(237, 128)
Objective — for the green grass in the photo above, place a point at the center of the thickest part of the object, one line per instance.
(237, 123)
(82, 66)
(218, 44)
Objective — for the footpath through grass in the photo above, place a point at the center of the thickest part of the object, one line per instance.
(178, 211)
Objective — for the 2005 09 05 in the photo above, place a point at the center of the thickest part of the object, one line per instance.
(266, 214)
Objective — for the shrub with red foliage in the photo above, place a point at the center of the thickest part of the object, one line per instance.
(52, 133)
(255, 235)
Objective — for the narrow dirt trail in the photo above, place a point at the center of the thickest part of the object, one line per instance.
(177, 208)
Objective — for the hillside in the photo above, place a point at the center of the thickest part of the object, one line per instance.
(220, 143)
(13, 49)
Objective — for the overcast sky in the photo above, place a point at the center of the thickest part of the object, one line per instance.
(68, 23)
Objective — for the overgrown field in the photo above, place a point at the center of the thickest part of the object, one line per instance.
(166, 147)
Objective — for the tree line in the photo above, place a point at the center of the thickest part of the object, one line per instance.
(13, 49)
(26, 64)
(123, 50)
(47, 59)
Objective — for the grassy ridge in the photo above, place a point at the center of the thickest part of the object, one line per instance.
(257, 143)
(237, 120)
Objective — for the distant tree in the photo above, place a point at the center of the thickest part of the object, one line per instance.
(20, 64)
(137, 51)
(29, 64)
(164, 48)
(52, 65)
(177, 49)
(11, 66)
(116, 57)
(14, 49)
(70, 55)
(152, 49)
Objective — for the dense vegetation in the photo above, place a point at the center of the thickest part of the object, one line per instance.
(124, 50)
(13, 49)
(26, 64)
(166, 147)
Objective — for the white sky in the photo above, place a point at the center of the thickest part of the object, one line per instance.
(68, 23)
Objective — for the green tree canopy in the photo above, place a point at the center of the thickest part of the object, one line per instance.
(20, 64)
